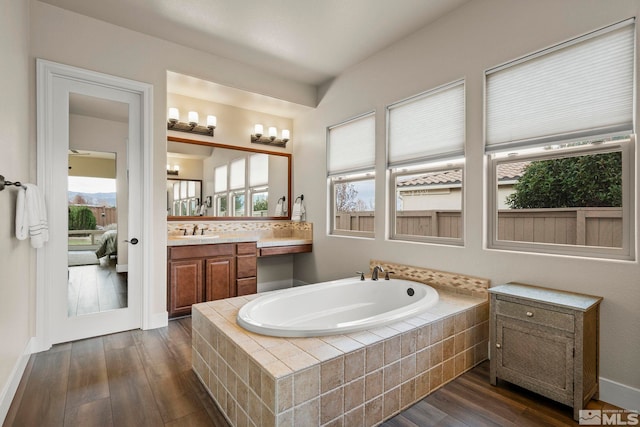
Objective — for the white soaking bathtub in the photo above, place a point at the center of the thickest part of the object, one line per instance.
(335, 307)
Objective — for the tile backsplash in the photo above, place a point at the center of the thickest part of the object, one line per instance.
(453, 282)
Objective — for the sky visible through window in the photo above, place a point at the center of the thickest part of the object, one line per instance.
(83, 184)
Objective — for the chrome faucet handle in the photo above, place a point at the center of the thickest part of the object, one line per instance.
(376, 271)
(386, 274)
(361, 273)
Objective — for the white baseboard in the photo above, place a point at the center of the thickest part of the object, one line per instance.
(9, 390)
(621, 395)
(122, 268)
(157, 320)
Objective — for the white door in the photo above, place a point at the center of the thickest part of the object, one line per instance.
(60, 325)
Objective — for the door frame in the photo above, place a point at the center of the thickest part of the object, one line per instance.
(46, 73)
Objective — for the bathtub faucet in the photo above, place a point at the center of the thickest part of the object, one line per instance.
(376, 270)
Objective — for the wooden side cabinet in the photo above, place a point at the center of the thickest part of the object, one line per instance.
(546, 341)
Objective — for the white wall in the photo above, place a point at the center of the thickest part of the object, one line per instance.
(17, 260)
(465, 43)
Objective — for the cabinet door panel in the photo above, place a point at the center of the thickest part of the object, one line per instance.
(220, 275)
(535, 358)
(186, 285)
(247, 266)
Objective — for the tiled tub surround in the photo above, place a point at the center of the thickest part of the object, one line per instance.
(358, 379)
(265, 233)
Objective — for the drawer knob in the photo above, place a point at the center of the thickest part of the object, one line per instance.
(529, 314)
(498, 345)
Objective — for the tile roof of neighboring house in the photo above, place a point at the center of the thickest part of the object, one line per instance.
(506, 172)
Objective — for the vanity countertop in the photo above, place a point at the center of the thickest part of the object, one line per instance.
(262, 242)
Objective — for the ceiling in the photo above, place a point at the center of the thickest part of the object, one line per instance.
(307, 41)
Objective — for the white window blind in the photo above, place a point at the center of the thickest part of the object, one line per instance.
(237, 174)
(428, 126)
(258, 169)
(578, 89)
(352, 145)
(221, 179)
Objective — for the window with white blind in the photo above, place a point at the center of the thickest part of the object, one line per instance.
(425, 157)
(350, 168)
(559, 135)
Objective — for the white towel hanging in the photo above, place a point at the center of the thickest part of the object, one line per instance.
(31, 216)
(298, 211)
(279, 208)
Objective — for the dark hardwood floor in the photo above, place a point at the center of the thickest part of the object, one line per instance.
(144, 378)
(471, 401)
(134, 378)
(96, 288)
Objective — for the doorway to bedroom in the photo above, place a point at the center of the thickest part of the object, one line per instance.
(96, 280)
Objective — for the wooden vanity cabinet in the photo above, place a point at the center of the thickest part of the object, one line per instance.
(198, 273)
(546, 341)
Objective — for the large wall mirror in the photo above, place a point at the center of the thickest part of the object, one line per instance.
(210, 181)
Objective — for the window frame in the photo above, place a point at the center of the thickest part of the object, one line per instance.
(626, 252)
(354, 174)
(445, 160)
(435, 166)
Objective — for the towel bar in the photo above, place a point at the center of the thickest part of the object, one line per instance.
(4, 183)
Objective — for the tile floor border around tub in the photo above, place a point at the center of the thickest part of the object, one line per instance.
(361, 378)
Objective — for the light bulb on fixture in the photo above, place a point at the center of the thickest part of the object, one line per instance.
(273, 132)
(211, 122)
(193, 118)
(285, 135)
(258, 130)
(174, 115)
(176, 168)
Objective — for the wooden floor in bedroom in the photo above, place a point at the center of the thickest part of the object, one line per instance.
(144, 378)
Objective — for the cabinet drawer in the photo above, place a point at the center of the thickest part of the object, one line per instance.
(247, 286)
(201, 251)
(536, 315)
(246, 266)
(247, 248)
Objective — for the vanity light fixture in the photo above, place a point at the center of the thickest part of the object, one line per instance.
(192, 126)
(173, 170)
(272, 139)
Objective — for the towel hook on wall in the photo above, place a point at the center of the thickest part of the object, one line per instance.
(301, 197)
(4, 183)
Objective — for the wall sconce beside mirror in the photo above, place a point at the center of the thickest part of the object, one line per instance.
(192, 126)
(224, 182)
(272, 139)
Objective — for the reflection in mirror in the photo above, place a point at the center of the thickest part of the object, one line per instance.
(184, 197)
(227, 182)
